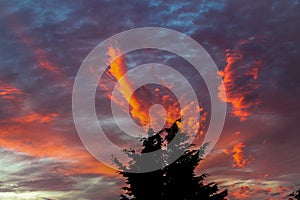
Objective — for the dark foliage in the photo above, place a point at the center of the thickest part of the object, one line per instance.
(176, 181)
(295, 195)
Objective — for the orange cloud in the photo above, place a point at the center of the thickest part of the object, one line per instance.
(283, 189)
(34, 134)
(139, 105)
(245, 192)
(117, 70)
(41, 56)
(40, 140)
(24, 116)
(44, 63)
(9, 92)
(237, 153)
(238, 156)
(241, 193)
(239, 79)
(265, 190)
(36, 118)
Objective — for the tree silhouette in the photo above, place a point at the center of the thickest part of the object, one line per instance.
(295, 195)
(176, 181)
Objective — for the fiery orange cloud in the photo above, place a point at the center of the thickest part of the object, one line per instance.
(86, 164)
(39, 140)
(139, 106)
(241, 193)
(36, 118)
(11, 98)
(32, 133)
(237, 153)
(12, 93)
(265, 190)
(117, 70)
(9, 92)
(245, 192)
(239, 83)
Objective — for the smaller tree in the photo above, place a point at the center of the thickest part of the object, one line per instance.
(295, 195)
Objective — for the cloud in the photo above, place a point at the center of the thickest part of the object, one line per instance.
(38, 178)
(255, 45)
(10, 99)
(9, 92)
(238, 155)
(240, 79)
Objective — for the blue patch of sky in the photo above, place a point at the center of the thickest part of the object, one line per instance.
(184, 20)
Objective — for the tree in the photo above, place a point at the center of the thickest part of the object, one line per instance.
(176, 181)
(295, 195)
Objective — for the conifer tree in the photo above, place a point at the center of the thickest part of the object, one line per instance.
(177, 181)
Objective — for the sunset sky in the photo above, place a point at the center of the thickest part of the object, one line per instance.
(255, 45)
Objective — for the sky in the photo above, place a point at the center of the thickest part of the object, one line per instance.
(255, 45)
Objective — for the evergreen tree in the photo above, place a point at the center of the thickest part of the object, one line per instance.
(295, 195)
(176, 181)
